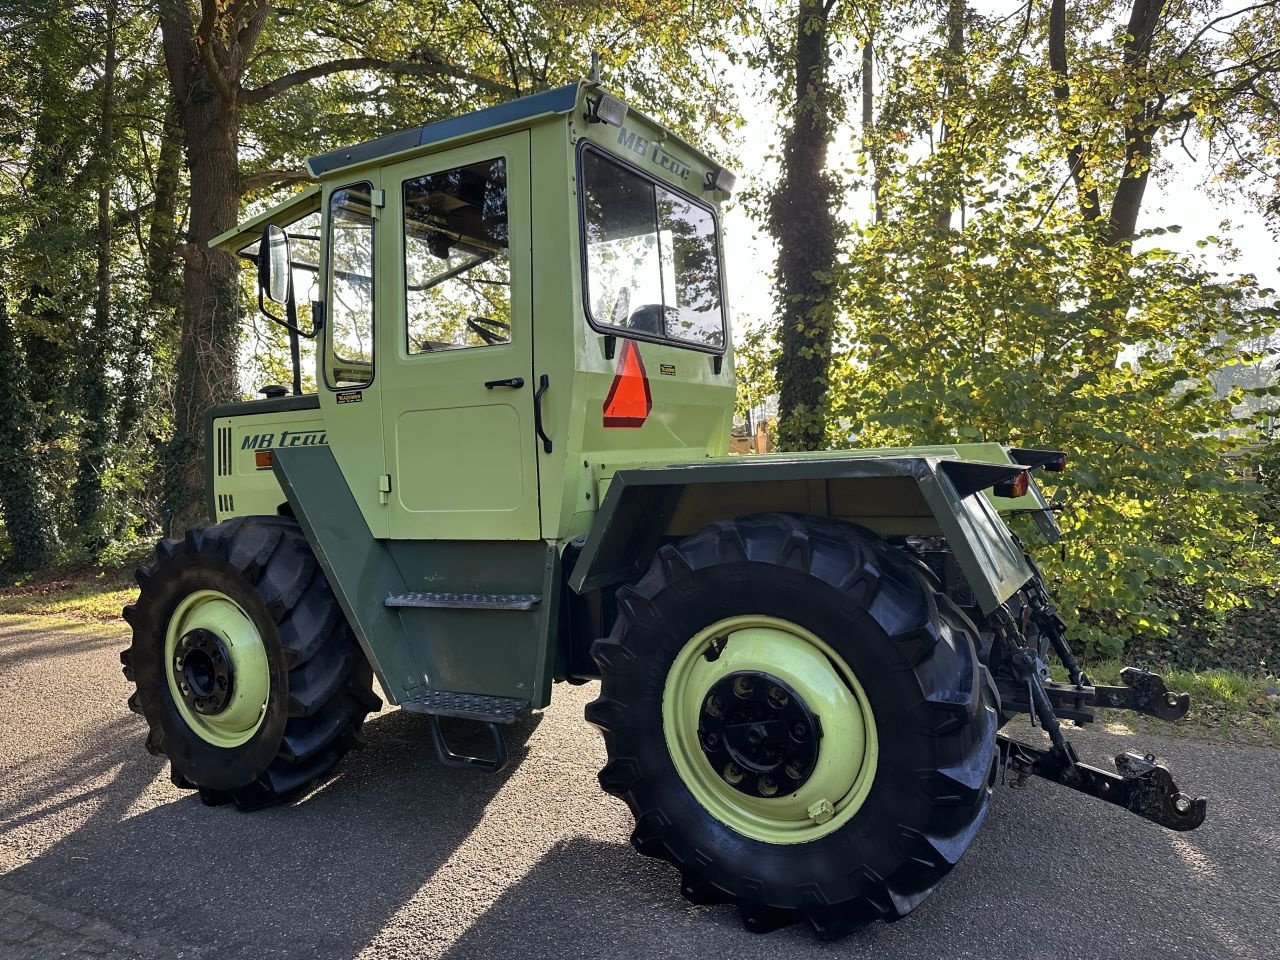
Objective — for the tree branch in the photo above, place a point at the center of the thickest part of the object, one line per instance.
(250, 182)
(1086, 196)
(204, 43)
(432, 67)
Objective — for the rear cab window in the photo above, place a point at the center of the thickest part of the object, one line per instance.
(650, 256)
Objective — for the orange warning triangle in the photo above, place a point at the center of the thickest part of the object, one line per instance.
(629, 400)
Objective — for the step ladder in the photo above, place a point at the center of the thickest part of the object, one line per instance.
(493, 712)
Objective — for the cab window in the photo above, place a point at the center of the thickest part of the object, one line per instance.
(651, 256)
(456, 269)
(350, 322)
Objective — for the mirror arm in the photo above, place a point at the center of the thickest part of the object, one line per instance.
(292, 311)
(295, 354)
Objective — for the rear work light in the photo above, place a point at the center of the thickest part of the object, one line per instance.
(1054, 461)
(1015, 487)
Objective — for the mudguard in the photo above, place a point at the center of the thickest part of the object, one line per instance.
(892, 495)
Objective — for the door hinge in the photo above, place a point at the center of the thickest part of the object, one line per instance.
(377, 200)
(384, 488)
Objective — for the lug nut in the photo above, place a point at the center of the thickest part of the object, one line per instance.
(732, 773)
(799, 731)
(767, 786)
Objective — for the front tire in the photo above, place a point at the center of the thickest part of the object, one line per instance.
(246, 671)
(824, 626)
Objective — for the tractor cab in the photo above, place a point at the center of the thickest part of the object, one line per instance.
(539, 284)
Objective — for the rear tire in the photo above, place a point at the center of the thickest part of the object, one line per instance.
(298, 687)
(783, 590)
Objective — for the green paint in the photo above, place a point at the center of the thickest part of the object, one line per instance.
(849, 751)
(243, 715)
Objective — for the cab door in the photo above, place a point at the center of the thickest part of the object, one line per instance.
(457, 382)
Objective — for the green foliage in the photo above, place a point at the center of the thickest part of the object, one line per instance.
(1031, 325)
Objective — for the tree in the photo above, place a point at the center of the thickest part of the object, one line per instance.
(802, 217)
(1035, 322)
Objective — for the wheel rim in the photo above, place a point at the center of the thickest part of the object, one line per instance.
(827, 794)
(216, 665)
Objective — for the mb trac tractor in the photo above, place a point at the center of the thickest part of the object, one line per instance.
(513, 473)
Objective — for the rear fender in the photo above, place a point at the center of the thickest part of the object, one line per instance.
(893, 496)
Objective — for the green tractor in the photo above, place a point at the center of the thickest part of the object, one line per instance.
(513, 474)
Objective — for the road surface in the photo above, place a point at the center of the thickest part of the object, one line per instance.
(399, 857)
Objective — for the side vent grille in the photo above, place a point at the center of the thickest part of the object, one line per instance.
(224, 452)
(226, 503)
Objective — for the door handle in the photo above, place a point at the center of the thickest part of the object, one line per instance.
(515, 383)
(543, 384)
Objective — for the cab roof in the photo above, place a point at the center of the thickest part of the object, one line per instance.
(550, 102)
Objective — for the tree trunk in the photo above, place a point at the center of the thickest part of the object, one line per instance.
(205, 81)
(95, 391)
(802, 219)
(869, 145)
(157, 324)
(27, 518)
(206, 368)
(953, 71)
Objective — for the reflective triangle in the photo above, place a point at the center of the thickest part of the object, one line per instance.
(629, 400)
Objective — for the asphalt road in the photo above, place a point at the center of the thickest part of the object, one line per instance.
(400, 857)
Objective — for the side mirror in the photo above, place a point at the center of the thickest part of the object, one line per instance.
(275, 271)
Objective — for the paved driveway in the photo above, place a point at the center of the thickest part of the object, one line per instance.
(398, 856)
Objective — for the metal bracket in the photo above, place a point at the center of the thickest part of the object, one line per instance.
(1142, 785)
(1144, 692)
(451, 759)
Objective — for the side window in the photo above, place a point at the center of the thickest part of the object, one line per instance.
(350, 323)
(456, 270)
(652, 263)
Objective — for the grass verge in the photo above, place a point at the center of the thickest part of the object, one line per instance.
(86, 594)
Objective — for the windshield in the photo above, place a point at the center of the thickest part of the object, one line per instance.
(653, 265)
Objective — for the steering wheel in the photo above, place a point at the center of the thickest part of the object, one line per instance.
(492, 332)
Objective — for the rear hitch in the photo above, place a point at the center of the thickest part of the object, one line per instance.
(1142, 785)
(1143, 692)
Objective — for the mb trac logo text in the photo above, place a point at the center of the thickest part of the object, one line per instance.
(288, 438)
(641, 146)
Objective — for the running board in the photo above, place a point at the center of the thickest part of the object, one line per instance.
(468, 706)
(466, 601)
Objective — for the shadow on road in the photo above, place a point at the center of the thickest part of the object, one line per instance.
(23, 645)
(318, 877)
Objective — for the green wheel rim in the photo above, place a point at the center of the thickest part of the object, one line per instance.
(847, 755)
(246, 708)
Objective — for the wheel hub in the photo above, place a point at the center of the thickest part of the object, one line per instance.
(758, 734)
(203, 671)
